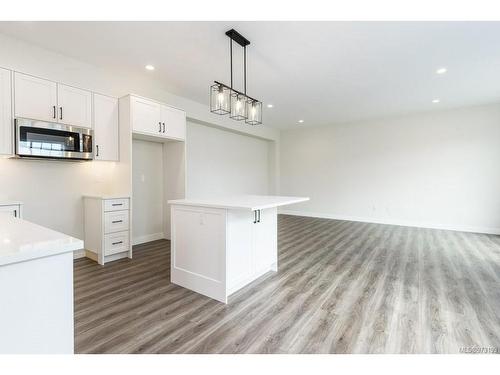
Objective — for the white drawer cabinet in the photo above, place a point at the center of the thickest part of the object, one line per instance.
(40, 99)
(6, 124)
(149, 117)
(12, 209)
(107, 223)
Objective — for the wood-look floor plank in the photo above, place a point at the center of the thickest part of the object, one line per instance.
(342, 287)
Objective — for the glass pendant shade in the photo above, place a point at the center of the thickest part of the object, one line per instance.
(238, 106)
(254, 112)
(220, 99)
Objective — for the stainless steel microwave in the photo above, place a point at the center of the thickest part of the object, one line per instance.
(39, 139)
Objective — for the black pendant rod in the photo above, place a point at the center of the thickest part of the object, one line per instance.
(231, 53)
(244, 42)
(245, 69)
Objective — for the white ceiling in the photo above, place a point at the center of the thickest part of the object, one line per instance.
(321, 72)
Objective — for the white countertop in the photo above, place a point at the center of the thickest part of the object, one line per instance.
(10, 203)
(107, 196)
(246, 202)
(21, 241)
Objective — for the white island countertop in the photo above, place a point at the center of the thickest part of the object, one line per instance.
(240, 202)
(21, 241)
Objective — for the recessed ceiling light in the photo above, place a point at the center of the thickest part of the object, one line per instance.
(301, 121)
(441, 71)
(270, 106)
(149, 67)
(436, 100)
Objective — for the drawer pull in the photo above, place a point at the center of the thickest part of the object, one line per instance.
(117, 204)
(116, 243)
(117, 221)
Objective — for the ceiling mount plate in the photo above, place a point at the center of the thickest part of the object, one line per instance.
(237, 37)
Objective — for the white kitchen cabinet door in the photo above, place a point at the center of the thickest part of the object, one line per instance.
(74, 106)
(174, 122)
(35, 98)
(6, 123)
(146, 116)
(106, 128)
(264, 239)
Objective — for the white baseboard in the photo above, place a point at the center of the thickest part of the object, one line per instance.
(79, 254)
(148, 238)
(485, 230)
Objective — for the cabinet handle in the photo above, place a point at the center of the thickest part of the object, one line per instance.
(117, 221)
(97, 148)
(255, 217)
(159, 130)
(163, 127)
(54, 111)
(258, 220)
(117, 204)
(117, 243)
(15, 213)
(60, 117)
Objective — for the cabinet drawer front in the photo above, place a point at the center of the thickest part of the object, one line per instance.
(116, 204)
(11, 210)
(116, 221)
(116, 243)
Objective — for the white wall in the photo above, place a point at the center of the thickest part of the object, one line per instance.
(148, 190)
(221, 162)
(438, 169)
(52, 191)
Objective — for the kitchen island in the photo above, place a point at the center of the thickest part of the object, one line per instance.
(36, 288)
(221, 244)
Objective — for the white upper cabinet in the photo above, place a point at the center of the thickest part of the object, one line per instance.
(75, 106)
(146, 116)
(106, 128)
(44, 100)
(152, 118)
(174, 122)
(6, 124)
(35, 98)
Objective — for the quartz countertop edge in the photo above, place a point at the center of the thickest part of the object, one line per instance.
(240, 202)
(107, 196)
(10, 203)
(21, 241)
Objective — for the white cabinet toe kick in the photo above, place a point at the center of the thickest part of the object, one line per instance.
(219, 248)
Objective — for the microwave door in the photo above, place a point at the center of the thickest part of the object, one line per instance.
(47, 140)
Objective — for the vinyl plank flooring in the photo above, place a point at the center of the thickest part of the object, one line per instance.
(342, 287)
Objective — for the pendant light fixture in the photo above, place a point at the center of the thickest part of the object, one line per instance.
(225, 99)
